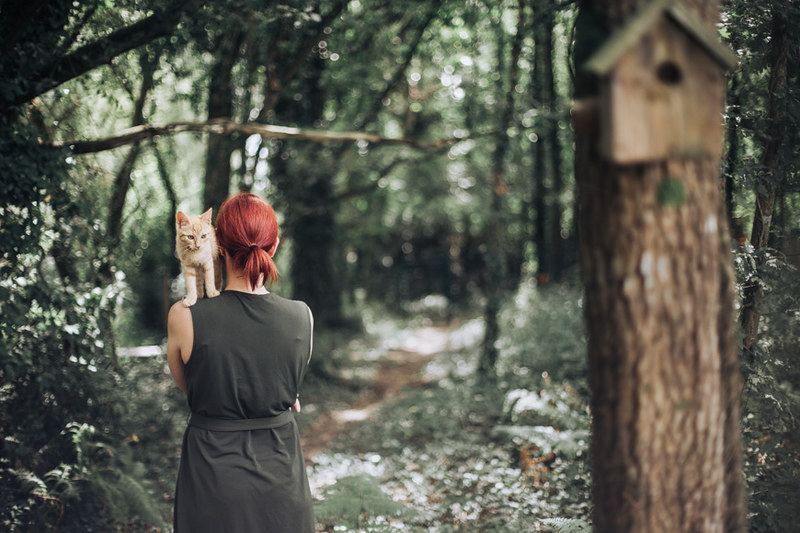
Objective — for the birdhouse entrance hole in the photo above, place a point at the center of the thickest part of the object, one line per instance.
(669, 73)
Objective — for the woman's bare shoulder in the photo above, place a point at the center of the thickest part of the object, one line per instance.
(179, 315)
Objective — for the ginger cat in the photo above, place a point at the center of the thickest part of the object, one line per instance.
(196, 245)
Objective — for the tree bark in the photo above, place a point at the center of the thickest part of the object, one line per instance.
(663, 361)
(770, 180)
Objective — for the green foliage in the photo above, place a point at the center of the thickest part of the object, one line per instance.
(567, 525)
(28, 175)
(356, 500)
(749, 27)
(64, 462)
(543, 335)
(102, 486)
(771, 398)
(117, 483)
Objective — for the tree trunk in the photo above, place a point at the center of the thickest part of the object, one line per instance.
(116, 208)
(663, 365)
(553, 146)
(547, 177)
(220, 105)
(315, 271)
(540, 234)
(311, 206)
(770, 180)
(122, 181)
(496, 253)
(172, 268)
(732, 155)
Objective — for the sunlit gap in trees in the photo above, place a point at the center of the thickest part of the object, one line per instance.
(256, 161)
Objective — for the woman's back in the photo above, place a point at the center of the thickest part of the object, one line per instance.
(242, 469)
(249, 355)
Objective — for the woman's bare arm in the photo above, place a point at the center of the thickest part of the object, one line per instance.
(180, 337)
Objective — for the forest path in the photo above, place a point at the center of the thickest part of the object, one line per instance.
(400, 368)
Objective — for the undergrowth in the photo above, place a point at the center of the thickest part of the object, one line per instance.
(771, 397)
(458, 456)
(446, 455)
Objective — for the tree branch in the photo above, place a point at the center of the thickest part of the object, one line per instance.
(101, 51)
(224, 126)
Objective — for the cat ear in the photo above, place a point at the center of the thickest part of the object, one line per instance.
(181, 219)
(207, 216)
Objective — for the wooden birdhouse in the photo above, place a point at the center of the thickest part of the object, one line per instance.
(661, 81)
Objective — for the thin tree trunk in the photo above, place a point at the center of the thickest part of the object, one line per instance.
(116, 208)
(283, 67)
(732, 155)
(122, 181)
(311, 203)
(540, 234)
(220, 105)
(663, 361)
(553, 147)
(172, 268)
(495, 255)
(311, 208)
(547, 151)
(768, 185)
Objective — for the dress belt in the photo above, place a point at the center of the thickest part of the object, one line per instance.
(241, 424)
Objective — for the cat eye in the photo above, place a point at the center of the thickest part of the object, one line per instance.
(203, 236)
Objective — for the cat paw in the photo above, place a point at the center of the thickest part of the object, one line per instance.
(189, 301)
(212, 292)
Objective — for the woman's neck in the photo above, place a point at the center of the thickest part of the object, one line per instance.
(236, 280)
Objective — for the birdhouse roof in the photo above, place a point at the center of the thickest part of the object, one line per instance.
(604, 60)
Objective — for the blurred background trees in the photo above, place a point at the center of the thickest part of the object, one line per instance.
(87, 240)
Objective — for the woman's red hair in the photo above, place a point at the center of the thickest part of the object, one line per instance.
(247, 229)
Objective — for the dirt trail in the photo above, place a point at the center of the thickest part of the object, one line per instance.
(399, 369)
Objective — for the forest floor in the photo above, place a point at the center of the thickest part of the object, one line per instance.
(404, 439)
(399, 369)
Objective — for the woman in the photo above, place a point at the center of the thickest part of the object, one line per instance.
(240, 358)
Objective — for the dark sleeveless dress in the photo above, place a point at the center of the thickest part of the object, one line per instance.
(241, 468)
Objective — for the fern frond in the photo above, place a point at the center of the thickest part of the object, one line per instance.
(29, 482)
(568, 525)
(64, 480)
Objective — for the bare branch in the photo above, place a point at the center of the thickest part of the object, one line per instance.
(224, 126)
